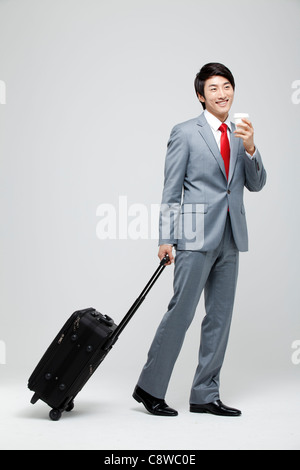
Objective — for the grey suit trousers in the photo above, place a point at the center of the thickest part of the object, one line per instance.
(216, 272)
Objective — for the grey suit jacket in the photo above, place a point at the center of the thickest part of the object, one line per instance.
(196, 195)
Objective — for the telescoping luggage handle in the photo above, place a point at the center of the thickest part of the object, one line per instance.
(114, 336)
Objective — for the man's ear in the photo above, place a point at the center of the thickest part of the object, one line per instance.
(201, 98)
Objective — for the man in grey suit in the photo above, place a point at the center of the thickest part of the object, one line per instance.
(208, 164)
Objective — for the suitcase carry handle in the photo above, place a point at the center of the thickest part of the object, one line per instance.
(114, 336)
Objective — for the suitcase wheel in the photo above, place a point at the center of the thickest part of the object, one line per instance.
(55, 415)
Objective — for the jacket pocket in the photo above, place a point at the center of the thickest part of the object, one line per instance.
(200, 208)
(191, 225)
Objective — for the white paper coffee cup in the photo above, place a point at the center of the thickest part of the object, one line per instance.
(238, 117)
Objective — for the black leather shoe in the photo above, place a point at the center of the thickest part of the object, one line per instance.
(215, 408)
(155, 406)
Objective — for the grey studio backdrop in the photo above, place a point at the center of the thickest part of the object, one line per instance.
(89, 93)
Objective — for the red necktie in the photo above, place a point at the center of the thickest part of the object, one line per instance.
(225, 147)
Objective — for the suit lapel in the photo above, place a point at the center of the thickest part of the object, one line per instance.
(234, 144)
(206, 132)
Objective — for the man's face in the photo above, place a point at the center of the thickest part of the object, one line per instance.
(219, 95)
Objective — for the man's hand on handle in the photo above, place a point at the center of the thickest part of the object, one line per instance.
(166, 250)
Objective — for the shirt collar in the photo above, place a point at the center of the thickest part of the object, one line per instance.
(214, 122)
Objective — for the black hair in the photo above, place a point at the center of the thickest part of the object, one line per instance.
(207, 71)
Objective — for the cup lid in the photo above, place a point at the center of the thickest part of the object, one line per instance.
(240, 115)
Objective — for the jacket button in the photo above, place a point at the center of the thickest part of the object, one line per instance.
(228, 191)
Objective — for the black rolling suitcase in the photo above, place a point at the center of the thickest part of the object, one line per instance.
(76, 352)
